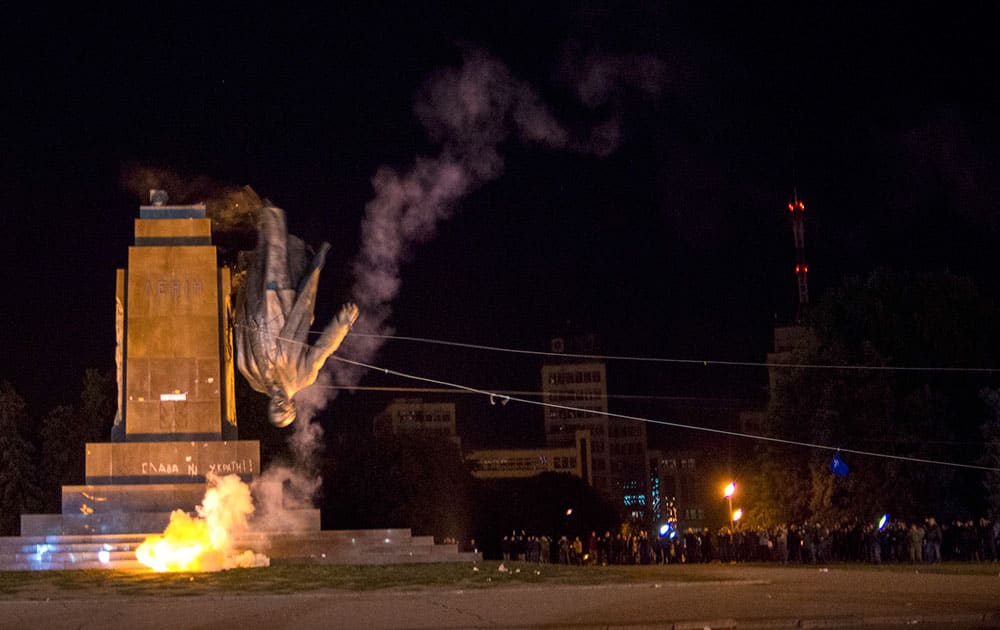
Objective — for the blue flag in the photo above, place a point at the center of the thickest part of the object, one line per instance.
(838, 466)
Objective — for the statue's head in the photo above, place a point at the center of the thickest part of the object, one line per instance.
(281, 409)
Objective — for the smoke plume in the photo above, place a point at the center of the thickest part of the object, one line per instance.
(289, 485)
(470, 112)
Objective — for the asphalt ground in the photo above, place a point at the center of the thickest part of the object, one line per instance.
(725, 597)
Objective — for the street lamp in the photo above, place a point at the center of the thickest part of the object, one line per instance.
(728, 492)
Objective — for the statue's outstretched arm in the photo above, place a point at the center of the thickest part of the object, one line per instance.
(333, 335)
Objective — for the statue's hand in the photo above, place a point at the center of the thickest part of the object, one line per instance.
(348, 314)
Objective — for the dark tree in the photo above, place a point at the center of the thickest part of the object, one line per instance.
(888, 319)
(551, 504)
(991, 455)
(66, 430)
(18, 490)
(406, 481)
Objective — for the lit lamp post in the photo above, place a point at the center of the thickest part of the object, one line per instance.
(728, 492)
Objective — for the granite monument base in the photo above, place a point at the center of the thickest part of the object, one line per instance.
(332, 547)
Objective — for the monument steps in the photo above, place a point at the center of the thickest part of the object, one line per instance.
(343, 547)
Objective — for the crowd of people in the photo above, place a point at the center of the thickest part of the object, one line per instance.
(855, 541)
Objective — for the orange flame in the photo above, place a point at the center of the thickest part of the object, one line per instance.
(205, 542)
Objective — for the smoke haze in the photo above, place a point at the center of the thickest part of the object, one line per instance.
(471, 111)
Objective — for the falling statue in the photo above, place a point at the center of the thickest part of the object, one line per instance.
(274, 313)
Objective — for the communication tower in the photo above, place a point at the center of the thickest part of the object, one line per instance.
(798, 213)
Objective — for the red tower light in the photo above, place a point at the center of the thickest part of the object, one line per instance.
(797, 207)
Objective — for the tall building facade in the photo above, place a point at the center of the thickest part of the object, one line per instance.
(575, 391)
(417, 416)
(528, 462)
(683, 490)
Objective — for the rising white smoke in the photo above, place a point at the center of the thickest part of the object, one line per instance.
(287, 487)
(470, 111)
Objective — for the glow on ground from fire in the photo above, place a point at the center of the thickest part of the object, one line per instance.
(205, 542)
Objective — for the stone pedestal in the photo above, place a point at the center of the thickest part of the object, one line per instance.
(176, 419)
(176, 424)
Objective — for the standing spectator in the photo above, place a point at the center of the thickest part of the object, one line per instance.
(873, 551)
(764, 545)
(987, 544)
(692, 551)
(644, 549)
(969, 542)
(563, 550)
(993, 540)
(618, 550)
(781, 544)
(815, 542)
(916, 540)
(794, 543)
(933, 539)
(604, 549)
(707, 550)
(534, 549)
(656, 543)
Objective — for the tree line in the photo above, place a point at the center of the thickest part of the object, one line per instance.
(40, 455)
(887, 319)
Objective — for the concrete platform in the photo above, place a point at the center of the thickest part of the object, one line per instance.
(117, 551)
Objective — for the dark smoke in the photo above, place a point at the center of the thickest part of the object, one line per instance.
(234, 210)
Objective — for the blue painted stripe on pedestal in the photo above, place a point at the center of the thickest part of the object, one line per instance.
(180, 212)
(173, 437)
(134, 480)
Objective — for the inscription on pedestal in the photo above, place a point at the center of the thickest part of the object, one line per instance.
(173, 286)
(139, 462)
(242, 466)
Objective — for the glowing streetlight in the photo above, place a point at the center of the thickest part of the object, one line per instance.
(728, 492)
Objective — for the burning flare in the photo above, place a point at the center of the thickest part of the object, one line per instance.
(205, 542)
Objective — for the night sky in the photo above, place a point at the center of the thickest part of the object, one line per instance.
(634, 183)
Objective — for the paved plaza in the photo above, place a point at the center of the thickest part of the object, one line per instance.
(727, 597)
